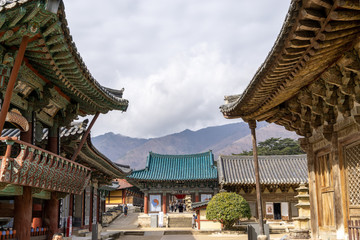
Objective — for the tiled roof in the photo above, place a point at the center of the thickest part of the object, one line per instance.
(76, 128)
(54, 54)
(93, 157)
(285, 169)
(314, 33)
(123, 184)
(199, 204)
(114, 186)
(177, 168)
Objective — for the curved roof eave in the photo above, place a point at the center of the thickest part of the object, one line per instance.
(54, 56)
(315, 33)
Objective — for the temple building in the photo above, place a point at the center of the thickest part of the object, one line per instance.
(49, 182)
(309, 83)
(125, 193)
(280, 177)
(169, 179)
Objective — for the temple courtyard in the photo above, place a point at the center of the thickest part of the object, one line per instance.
(126, 228)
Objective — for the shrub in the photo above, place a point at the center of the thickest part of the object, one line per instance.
(227, 208)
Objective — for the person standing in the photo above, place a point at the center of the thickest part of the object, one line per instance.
(193, 221)
(125, 210)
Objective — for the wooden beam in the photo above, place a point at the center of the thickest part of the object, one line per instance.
(83, 139)
(12, 80)
(252, 126)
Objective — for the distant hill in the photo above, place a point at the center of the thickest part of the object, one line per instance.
(222, 140)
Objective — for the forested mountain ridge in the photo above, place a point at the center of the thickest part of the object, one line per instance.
(222, 140)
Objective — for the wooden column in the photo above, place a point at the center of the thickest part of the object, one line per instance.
(197, 197)
(24, 204)
(91, 208)
(53, 140)
(12, 80)
(124, 196)
(252, 125)
(52, 214)
(84, 137)
(307, 147)
(51, 208)
(339, 216)
(146, 207)
(23, 214)
(164, 203)
(198, 218)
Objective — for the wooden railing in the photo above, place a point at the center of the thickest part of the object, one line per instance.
(36, 167)
(354, 229)
(36, 234)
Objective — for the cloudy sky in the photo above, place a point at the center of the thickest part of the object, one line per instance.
(176, 59)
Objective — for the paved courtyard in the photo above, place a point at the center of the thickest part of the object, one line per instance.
(129, 226)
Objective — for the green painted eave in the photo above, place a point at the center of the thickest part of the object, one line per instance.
(194, 167)
(53, 55)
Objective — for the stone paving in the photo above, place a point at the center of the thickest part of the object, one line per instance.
(129, 229)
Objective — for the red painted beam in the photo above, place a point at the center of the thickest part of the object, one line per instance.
(12, 80)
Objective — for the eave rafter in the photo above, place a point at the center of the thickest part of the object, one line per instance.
(314, 37)
(54, 55)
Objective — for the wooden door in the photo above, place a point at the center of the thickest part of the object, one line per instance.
(325, 186)
(352, 180)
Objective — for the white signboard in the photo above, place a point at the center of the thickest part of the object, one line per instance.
(284, 209)
(155, 203)
(205, 197)
(161, 219)
(269, 208)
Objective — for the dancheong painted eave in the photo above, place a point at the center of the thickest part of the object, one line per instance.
(314, 36)
(177, 168)
(281, 170)
(51, 54)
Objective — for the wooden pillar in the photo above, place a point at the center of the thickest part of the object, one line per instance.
(52, 214)
(84, 137)
(164, 203)
(91, 208)
(307, 147)
(24, 204)
(252, 125)
(146, 202)
(23, 214)
(124, 197)
(12, 80)
(198, 219)
(339, 216)
(53, 140)
(197, 197)
(27, 136)
(51, 208)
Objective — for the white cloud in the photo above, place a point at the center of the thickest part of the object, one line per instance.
(176, 59)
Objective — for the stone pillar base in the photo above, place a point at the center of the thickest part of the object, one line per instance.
(300, 234)
(262, 237)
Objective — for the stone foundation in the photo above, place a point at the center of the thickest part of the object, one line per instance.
(299, 234)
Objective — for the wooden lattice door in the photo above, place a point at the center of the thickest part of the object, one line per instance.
(352, 166)
(325, 185)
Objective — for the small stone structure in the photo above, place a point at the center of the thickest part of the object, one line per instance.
(302, 223)
(110, 215)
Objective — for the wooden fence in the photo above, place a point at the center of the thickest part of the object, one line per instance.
(354, 230)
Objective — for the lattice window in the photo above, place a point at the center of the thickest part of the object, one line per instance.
(353, 174)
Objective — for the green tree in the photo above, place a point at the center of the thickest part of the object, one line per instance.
(227, 208)
(276, 146)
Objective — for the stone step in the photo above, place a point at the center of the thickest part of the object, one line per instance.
(135, 233)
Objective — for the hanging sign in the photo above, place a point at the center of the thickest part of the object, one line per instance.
(269, 208)
(155, 203)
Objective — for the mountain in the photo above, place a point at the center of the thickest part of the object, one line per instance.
(225, 140)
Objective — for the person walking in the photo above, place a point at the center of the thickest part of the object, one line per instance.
(57, 236)
(125, 210)
(193, 221)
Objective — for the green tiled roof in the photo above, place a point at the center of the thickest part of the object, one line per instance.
(177, 168)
